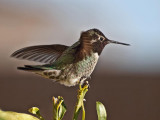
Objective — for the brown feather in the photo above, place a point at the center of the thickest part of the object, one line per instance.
(85, 46)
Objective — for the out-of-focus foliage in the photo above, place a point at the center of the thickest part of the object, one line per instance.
(59, 109)
(9, 115)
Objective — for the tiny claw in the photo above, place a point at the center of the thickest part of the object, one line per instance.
(87, 83)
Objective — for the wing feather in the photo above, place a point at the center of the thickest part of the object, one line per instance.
(40, 53)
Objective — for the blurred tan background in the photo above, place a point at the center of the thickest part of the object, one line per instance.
(126, 79)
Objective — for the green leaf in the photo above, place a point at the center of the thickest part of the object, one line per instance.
(101, 111)
(59, 108)
(62, 110)
(9, 115)
(35, 111)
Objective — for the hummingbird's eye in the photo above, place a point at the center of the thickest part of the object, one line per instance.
(101, 38)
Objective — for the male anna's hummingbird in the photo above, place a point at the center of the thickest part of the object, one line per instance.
(68, 65)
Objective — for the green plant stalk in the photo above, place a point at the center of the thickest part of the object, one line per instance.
(80, 105)
(83, 112)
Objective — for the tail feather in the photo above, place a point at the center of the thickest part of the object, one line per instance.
(29, 68)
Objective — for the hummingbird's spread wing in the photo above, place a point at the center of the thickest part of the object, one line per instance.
(40, 53)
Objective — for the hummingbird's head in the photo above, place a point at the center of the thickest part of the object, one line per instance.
(96, 40)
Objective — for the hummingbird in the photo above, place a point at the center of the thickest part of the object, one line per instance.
(67, 65)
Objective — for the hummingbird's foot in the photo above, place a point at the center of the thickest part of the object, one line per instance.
(87, 83)
(81, 81)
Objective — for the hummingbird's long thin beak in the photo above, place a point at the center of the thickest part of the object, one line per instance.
(116, 42)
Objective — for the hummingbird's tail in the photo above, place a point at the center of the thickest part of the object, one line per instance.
(30, 68)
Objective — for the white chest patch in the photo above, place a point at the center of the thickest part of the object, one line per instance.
(95, 62)
(96, 56)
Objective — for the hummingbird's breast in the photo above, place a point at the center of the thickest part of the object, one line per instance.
(72, 73)
(87, 65)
